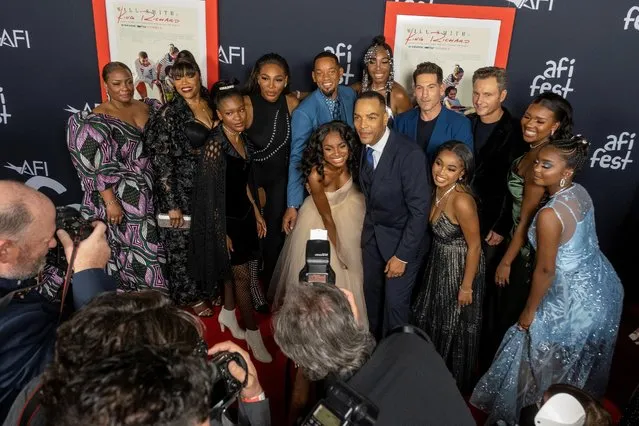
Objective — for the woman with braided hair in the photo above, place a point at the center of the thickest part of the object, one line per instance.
(378, 75)
(566, 333)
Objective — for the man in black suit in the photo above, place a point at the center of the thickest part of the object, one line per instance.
(498, 142)
(394, 180)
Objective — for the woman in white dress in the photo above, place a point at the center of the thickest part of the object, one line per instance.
(336, 204)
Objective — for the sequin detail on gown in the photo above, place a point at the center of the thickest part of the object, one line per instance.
(454, 330)
(572, 337)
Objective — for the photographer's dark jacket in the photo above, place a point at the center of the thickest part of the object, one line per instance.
(492, 162)
(410, 384)
(28, 326)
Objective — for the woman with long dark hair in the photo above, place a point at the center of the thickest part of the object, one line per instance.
(329, 167)
(227, 222)
(567, 330)
(174, 139)
(268, 126)
(106, 150)
(378, 76)
(548, 117)
(449, 303)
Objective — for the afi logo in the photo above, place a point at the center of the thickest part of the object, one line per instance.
(86, 108)
(4, 115)
(226, 57)
(15, 38)
(340, 53)
(39, 172)
(631, 17)
(611, 156)
(531, 4)
(552, 78)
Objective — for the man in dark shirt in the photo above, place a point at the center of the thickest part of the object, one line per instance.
(28, 320)
(498, 142)
(430, 125)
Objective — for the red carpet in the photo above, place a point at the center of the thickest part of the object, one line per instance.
(271, 376)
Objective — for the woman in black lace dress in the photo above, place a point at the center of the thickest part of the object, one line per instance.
(226, 218)
(268, 120)
(173, 139)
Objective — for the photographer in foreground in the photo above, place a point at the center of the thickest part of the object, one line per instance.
(27, 319)
(115, 323)
(318, 329)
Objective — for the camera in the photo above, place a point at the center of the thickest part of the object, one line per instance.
(226, 388)
(76, 226)
(342, 406)
(318, 259)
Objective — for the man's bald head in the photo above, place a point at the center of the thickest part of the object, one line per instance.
(27, 225)
(19, 207)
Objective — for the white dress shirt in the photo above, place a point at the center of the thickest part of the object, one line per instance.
(378, 148)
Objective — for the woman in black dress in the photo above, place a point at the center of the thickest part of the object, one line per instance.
(174, 151)
(226, 220)
(268, 126)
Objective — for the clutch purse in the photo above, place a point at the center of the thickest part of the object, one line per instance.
(164, 221)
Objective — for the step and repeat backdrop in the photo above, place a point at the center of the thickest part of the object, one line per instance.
(586, 51)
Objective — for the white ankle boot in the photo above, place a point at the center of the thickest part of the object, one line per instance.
(256, 345)
(228, 319)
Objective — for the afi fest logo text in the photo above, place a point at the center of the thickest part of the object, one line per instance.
(632, 16)
(86, 108)
(343, 50)
(4, 115)
(556, 78)
(532, 4)
(39, 172)
(15, 38)
(226, 56)
(615, 154)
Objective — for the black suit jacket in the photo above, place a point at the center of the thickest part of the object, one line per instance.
(398, 201)
(492, 163)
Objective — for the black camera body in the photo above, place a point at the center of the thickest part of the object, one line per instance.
(76, 226)
(226, 388)
(317, 269)
(342, 406)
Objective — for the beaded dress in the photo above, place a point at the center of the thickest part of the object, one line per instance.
(572, 337)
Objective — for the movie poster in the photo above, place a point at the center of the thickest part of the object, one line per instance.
(146, 35)
(452, 43)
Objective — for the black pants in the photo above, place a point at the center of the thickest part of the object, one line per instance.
(273, 212)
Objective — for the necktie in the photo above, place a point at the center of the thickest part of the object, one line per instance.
(336, 110)
(369, 157)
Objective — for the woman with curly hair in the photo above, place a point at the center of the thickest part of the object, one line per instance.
(174, 137)
(329, 167)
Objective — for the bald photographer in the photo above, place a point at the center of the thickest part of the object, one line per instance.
(28, 320)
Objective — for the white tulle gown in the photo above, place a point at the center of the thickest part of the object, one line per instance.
(348, 208)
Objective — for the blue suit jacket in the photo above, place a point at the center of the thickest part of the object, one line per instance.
(398, 200)
(450, 125)
(308, 116)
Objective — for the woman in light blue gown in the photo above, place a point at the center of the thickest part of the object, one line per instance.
(568, 328)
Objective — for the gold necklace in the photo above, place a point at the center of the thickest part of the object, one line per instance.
(438, 200)
(537, 145)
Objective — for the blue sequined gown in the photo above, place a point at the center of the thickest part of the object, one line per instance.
(572, 337)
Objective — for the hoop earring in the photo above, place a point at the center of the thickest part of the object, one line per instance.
(562, 182)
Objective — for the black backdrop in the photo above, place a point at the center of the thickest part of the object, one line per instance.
(49, 69)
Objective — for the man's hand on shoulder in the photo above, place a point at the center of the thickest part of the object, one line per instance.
(94, 252)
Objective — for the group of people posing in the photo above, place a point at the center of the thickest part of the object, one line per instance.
(470, 227)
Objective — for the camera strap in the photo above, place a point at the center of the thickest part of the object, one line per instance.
(31, 408)
(67, 276)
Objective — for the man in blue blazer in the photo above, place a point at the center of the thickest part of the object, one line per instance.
(329, 102)
(395, 183)
(431, 124)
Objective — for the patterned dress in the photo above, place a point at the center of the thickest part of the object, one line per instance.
(572, 337)
(107, 153)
